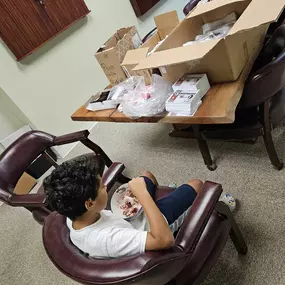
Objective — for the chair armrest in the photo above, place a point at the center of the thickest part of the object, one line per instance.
(71, 138)
(112, 174)
(149, 35)
(198, 216)
(29, 201)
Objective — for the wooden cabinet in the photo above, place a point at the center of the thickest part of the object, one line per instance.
(27, 24)
(142, 6)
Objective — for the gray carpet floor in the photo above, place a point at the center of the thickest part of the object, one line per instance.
(243, 170)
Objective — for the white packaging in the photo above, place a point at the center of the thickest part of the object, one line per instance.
(183, 102)
(185, 113)
(109, 104)
(100, 102)
(232, 17)
(194, 83)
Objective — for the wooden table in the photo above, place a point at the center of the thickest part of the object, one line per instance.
(218, 107)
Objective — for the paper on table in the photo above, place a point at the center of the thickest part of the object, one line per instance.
(186, 115)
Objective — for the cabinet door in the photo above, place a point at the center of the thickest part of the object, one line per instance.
(142, 6)
(24, 25)
(65, 12)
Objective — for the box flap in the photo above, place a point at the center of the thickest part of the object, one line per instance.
(259, 12)
(177, 55)
(135, 56)
(212, 5)
(166, 23)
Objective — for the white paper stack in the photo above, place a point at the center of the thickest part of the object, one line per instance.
(184, 102)
(188, 93)
(194, 83)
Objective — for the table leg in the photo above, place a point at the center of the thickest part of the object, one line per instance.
(204, 149)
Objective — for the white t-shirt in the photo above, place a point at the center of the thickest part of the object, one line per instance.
(111, 236)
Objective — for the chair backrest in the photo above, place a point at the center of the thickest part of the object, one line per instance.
(153, 268)
(190, 6)
(18, 156)
(268, 80)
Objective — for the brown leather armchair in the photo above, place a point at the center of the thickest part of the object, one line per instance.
(16, 159)
(198, 245)
(261, 108)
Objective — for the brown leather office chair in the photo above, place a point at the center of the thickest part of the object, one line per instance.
(198, 245)
(16, 159)
(261, 108)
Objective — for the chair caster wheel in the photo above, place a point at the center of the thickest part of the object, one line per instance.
(279, 167)
(212, 167)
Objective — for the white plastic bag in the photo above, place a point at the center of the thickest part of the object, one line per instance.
(147, 101)
(209, 27)
(134, 83)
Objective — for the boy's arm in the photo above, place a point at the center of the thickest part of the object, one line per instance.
(160, 236)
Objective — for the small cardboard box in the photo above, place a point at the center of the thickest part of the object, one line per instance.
(165, 24)
(25, 184)
(221, 59)
(112, 53)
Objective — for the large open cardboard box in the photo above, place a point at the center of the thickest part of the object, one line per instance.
(222, 59)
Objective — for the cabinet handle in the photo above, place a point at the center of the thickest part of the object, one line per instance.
(42, 3)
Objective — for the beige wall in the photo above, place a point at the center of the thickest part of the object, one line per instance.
(11, 118)
(50, 84)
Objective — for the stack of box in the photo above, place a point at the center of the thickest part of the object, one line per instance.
(188, 93)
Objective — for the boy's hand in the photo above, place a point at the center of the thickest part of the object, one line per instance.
(138, 187)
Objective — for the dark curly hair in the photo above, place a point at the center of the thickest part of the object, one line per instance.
(72, 183)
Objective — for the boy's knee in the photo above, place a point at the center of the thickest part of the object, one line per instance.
(196, 184)
(149, 175)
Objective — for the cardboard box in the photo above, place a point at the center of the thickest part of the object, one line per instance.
(165, 24)
(25, 184)
(132, 58)
(221, 59)
(113, 52)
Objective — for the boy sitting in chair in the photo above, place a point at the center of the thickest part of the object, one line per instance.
(75, 190)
